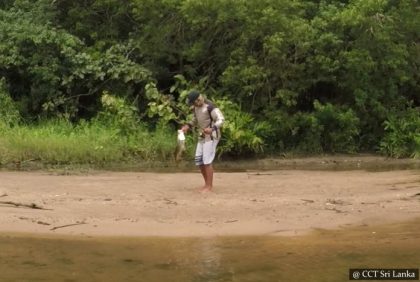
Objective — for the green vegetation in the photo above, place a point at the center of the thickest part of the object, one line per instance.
(102, 81)
(114, 136)
(59, 142)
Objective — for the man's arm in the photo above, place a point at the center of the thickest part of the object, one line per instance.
(190, 124)
(218, 118)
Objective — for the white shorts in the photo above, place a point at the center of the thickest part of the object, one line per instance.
(205, 152)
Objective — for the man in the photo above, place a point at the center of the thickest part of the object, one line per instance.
(208, 119)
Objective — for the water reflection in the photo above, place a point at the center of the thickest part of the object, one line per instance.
(322, 256)
(208, 267)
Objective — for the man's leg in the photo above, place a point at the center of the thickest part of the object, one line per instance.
(209, 152)
(208, 171)
(204, 173)
(199, 160)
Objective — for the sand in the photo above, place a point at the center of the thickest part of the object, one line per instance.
(278, 202)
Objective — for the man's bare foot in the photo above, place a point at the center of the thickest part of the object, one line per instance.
(206, 189)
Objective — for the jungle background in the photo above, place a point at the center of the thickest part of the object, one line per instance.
(99, 81)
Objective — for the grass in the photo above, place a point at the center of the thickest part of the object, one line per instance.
(60, 143)
(95, 144)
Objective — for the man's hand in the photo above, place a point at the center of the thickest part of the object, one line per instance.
(185, 128)
(207, 130)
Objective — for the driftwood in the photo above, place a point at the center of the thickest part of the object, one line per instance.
(231, 221)
(307, 201)
(170, 202)
(259, 173)
(34, 220)
(19, 205)
(68, 225)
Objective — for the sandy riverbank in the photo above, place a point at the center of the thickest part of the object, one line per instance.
(281, 202)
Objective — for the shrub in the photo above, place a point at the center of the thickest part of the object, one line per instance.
(340, 128)
(9, 114)
(242, 135)
(116, 112)
(402, 134)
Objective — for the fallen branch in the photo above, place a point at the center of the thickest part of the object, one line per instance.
(231, 221)
(18, 205)
(307, 201)
(209, 221)
(336, 210)
(170, 202)
(67, 225)
(259, 173)
(34, 220)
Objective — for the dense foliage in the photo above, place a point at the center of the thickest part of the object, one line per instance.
(307, 76)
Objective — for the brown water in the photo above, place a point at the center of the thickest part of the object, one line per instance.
(321, 256)
(332, 163)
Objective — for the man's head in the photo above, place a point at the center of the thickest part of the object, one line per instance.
(195, 98)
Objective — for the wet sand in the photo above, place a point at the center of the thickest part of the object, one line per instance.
(281, 202)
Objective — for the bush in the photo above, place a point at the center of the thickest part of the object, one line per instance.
(306, 133)
(242, 135)
(117, 113)
(327, 129)
(339, 127)
(9, 114)
(402, 134)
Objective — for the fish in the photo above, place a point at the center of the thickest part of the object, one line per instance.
(180, 146)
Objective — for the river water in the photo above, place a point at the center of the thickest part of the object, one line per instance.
(320, 256)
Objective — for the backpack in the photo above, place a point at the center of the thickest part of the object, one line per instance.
(210, 107)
